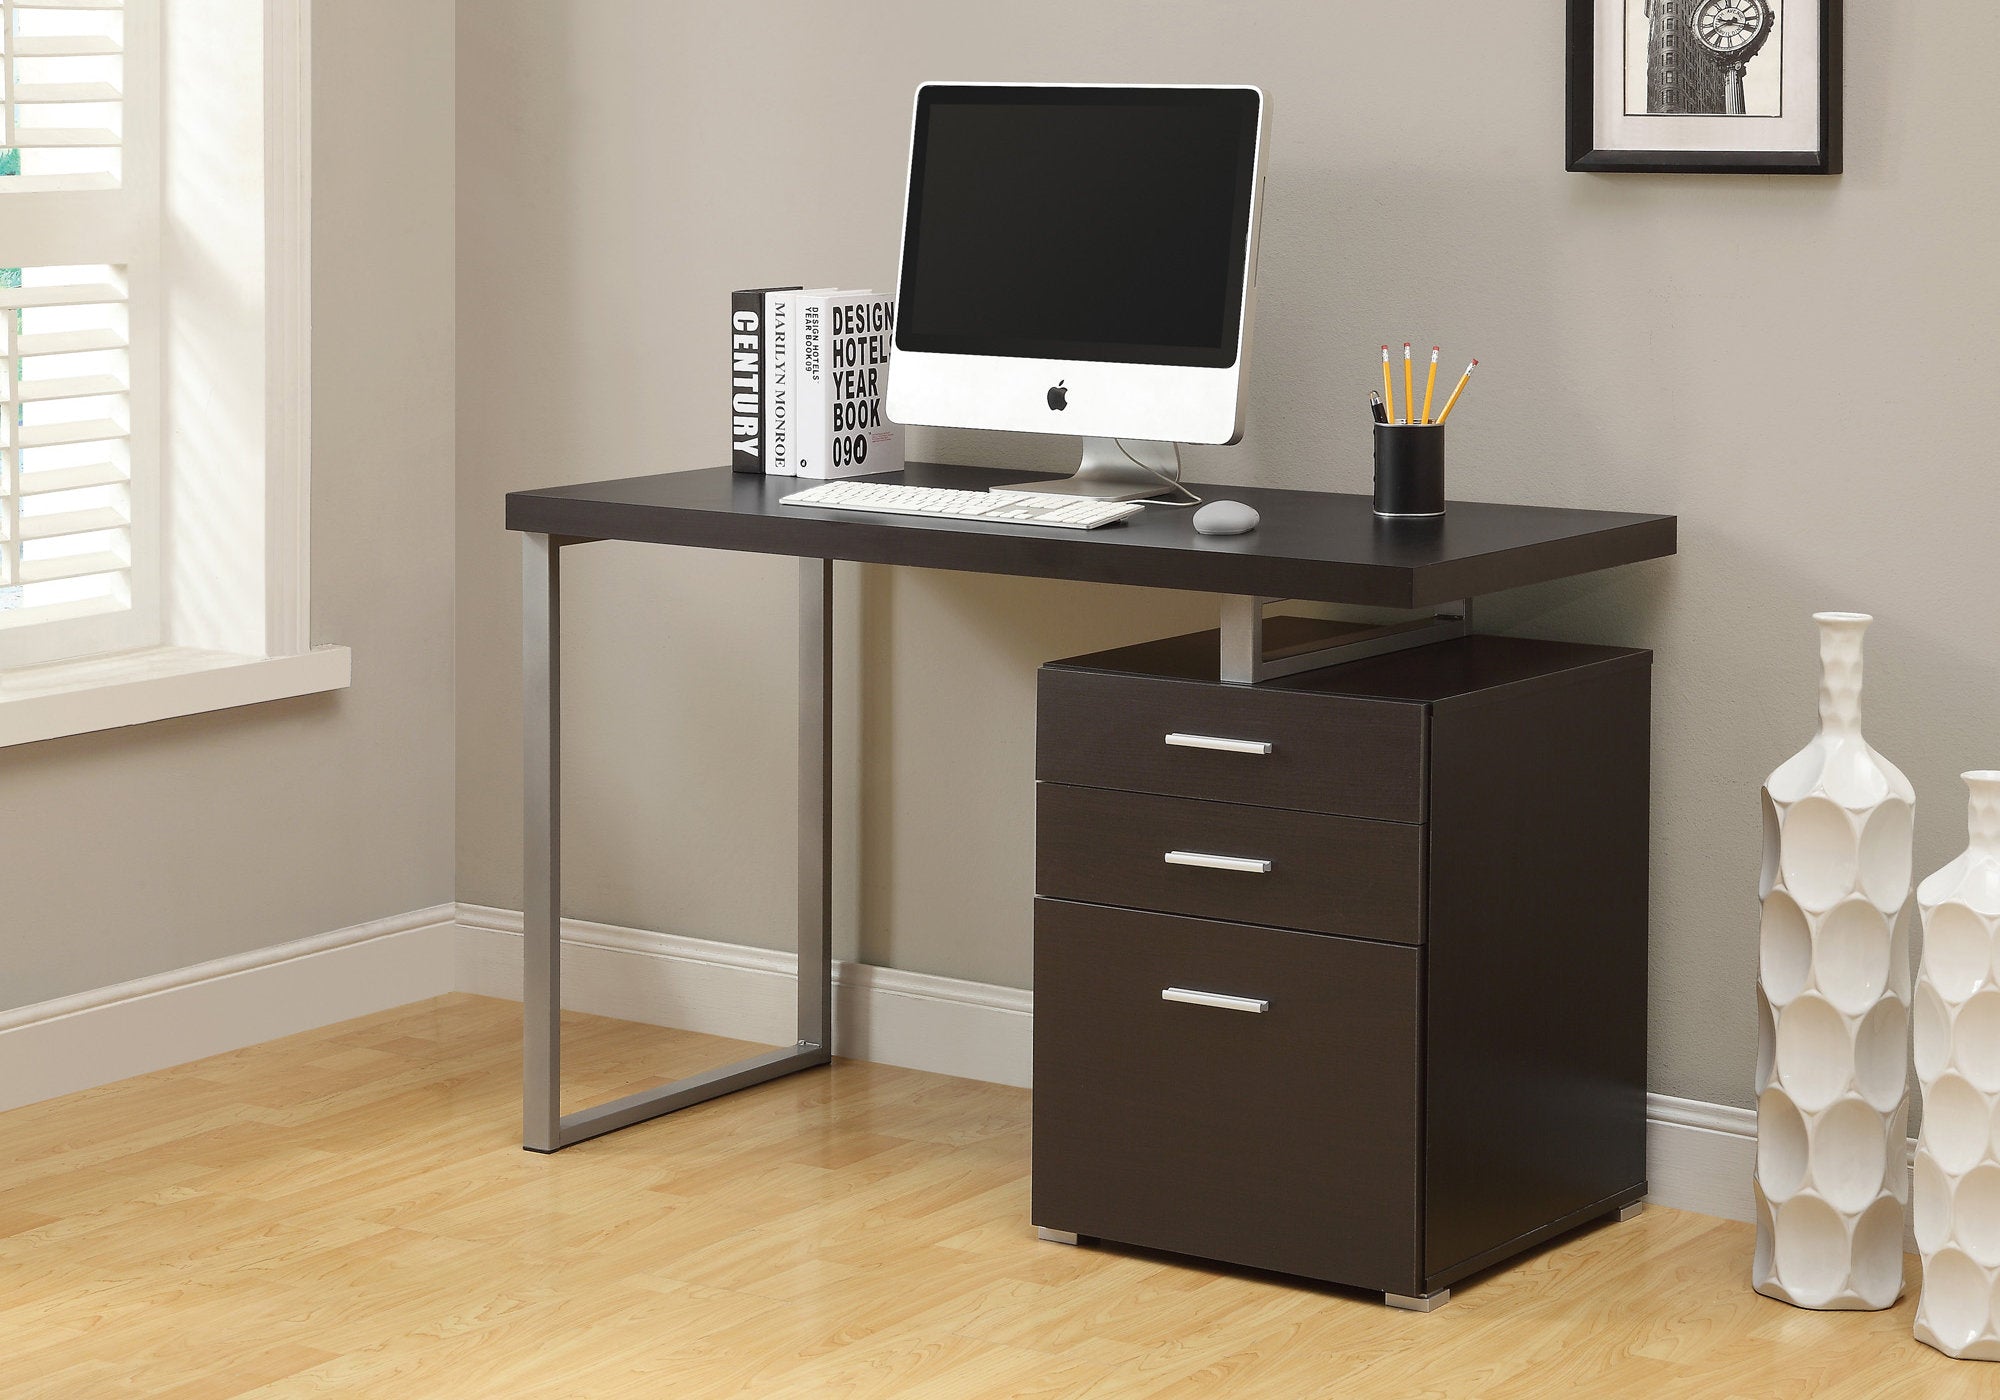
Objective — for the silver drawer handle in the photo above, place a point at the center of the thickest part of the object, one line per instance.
(1209, 741)
(1254, 1005)
(1207, 862)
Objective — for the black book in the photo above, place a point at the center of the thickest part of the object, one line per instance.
(747, 397)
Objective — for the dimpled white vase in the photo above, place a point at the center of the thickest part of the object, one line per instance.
(1958, 1063)
(1833, 991)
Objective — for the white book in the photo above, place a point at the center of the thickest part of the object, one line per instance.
(839, 371)
(780, 336)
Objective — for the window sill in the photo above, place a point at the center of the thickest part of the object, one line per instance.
(138, 687)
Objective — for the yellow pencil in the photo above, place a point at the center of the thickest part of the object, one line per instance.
(1409, 387)
(1431, 387)
(1388, 385)
(1448, 403)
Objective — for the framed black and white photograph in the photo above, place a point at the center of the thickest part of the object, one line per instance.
(1747, 87)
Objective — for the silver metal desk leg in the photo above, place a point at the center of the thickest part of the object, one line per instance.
(816, 804)
(541, 856)
(1244, 662)
(544, 1127)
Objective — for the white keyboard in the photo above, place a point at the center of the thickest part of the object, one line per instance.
(1007, 507)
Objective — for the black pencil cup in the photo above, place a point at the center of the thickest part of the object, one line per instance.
(1409, 471)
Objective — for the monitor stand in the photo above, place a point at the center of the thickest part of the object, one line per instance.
(1108, 474)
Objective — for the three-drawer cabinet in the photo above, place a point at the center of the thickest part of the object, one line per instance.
(1342, 975)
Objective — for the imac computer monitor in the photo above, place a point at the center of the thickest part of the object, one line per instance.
(1081, 260)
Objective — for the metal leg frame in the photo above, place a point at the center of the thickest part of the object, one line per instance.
(1245, 662)
(544, 1127)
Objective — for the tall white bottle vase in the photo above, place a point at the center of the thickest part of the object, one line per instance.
(1957, 1212)
(1833, 992)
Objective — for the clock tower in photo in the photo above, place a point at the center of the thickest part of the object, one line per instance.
(1696, 51)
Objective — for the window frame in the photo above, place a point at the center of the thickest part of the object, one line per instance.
(264, 650)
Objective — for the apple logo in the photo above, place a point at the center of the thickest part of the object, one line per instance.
(1059, 397)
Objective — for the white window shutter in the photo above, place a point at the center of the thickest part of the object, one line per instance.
(64, 104)
(78, 255)
(67, 433)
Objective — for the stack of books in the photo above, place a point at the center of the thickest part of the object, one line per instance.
(808, 370)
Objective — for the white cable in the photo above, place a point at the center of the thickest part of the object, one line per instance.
(1192, 499)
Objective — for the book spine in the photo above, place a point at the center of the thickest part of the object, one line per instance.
(780, 311)
(856, 438)
(811, 413)
(746, 381)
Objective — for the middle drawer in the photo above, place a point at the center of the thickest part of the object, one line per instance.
(1222, 860)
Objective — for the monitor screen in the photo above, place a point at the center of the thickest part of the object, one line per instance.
(1103, 224)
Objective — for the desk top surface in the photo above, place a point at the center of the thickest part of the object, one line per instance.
(1310, 544)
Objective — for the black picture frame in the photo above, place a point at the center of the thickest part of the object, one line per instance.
(1584, 157)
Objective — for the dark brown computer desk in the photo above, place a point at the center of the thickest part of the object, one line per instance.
(1311, 545)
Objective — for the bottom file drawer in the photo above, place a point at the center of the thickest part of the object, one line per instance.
(1264, 1111)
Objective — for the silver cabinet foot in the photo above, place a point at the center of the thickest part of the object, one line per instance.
(1429, 1302)
(1631, 1212)
(1055, 1236)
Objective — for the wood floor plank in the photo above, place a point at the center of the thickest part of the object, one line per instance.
(348, 1212)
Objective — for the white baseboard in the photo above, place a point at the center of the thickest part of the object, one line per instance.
(1699, 1156)
(78, 1042)
(968, 1029)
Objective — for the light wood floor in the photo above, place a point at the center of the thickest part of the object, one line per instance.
(348, 1212)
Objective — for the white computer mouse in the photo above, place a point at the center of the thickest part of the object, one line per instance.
(1225, 518)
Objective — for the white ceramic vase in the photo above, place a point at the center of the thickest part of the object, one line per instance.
(1833, 991)
(1958, 1063)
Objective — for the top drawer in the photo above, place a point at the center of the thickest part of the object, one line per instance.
(1327, 753)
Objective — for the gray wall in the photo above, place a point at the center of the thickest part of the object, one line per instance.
(1798, 368)
(145, 849)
